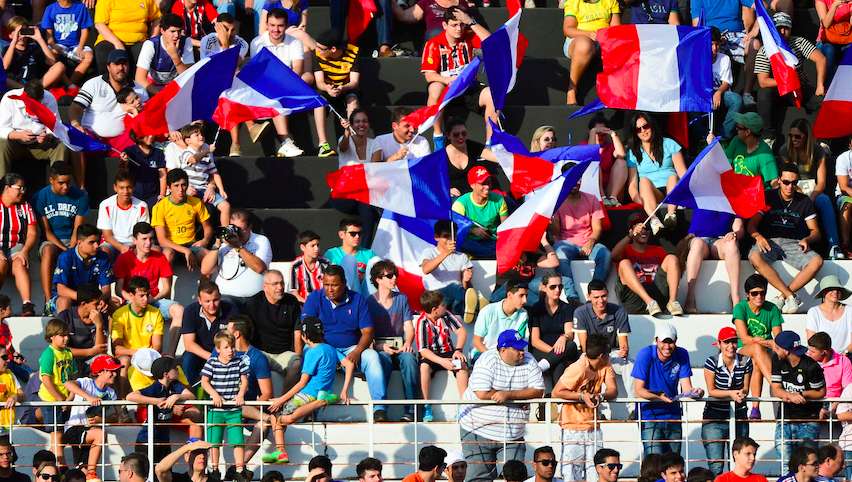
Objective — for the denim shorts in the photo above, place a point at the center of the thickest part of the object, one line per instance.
(163, 305)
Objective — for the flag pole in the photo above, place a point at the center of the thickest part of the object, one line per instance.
(340, 117)
(711, 122)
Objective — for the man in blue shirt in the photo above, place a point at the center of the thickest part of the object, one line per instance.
(349, 329)
(355, 260)
(84, 263)
(657, 373)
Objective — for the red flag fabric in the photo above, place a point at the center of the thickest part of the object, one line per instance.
(360, 15)
(513, 6)
(678, 128)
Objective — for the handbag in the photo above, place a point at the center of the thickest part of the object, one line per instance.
(839, 33)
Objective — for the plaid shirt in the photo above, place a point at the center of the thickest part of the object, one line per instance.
(435, 335)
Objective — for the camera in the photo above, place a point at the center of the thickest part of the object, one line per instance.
(27, 31)
(228, 232)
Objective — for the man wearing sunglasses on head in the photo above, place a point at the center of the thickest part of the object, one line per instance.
(544, 465)
(786, 229)
(608, 465)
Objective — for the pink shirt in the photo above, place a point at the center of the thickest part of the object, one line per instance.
(838, 374)
(575, 219)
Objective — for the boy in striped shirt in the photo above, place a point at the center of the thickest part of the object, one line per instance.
(432, 329)
(306, 272)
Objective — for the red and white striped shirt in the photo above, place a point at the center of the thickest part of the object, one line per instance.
(15, 220)
(305, 280)
(436, 335)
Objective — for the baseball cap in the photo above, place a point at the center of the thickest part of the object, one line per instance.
(161, 366)
(665, 330)
(790, 341)
(635, 219)
(104, 362)
(511, 339)
(726, 333)
(750, 120)
(117, 56)
(143, 360)
(782, 19)
(312, 324)
(454, 458)
(478, 175)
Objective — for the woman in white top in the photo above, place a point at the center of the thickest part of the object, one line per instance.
(355, 146)
(832, 316)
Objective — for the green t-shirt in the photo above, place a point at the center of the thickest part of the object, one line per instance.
(761, 162)
(59, 366)
(759, 325)
(486, 215)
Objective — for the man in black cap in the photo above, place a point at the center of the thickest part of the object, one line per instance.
(431, 465)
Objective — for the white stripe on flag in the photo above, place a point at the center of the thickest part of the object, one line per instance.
(512, 28)
(398, 245)
(770, 48)
(705, 181)
(841, 87)
(659, 76)
(390, 186)
(179, 109)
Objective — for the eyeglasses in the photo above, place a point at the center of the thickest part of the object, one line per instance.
(18, 187)
(756, 293)
(612, 466)
(459, 134)
(387, 275)
(643, 127)
(354, 234)
(788, 182)
(44, 476)
(555, 287)
(546, 462)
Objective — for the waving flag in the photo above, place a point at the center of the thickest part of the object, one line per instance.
(264, 88)
(711, 184)
(413, 187)
(422, 119)
(360, 15)
(503, 53)
(658, 68)
(781, 57)
(835, 115)
(73, 138)
(192, 96)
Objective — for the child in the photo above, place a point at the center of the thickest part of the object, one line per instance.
(129, 101)
(15, 361)
(306, 272)
(314, 388)
(437, 352)
(81, 430)
(204, 179)
(148, 166)
(67, 24)
(225, 378)
(10, 393)
(55, 366)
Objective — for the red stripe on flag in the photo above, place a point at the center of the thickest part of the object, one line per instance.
(529, 173)
(152, 120)
(512, 243)
(423, 114)
(827, 126)
(229, 114)
(412, 286)
(37, 110)
(618, 82)
(786, 77)
(349, 182)
(745, 193)
(678, 128)
(360, 15)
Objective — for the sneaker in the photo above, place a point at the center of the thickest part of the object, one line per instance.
(791, 305)
(654, 308)
(670, 220)
(289, 149)
(235, 151)
(325, 150)
(438, 143)
(214, 474)
(257, 129)
(778, 301)
(748, 99)
(836, 253)
(231, 473)
(754, 414)
(611, 201)
(408, 416)
(329, 397)
(529, 3)
(427, 414)
(470, 302)
(277, 457)
(92, 476)
(656, 225)
(247, 474)
(380, 416)
(483, 301)
(28, 309)
(674, 308)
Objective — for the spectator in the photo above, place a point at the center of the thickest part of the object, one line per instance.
(552, 330)
(355, 260)
(222, 37)
(494, 319)
(296, 10)
(276, 318)
(23, 138)
(29, 58)
(723, 83)
(786, 229)
(197, 161)
(728, 377)
(831, 316)
(14, 360)
(655, 164)
(174, 218)
(148, 165)
(836, 367)
(403, 141)
(199, 18)
(436, 348)
(844, 414)
(119, 213)
(7, 457)
(582, 381)
(744, 451)
(659, 370)
(136, 325)
(204, 318)
(450, 272)
(319, 469)
(68, 25)
(514, 471)
(134, 468)
(10, 394)
(151, 264)
(502, 374)
(843, 171)
(355, 145)
(803, 465)
(307, 269)
(463, 155)
(85, 263)
(369, 470)
(608, 465)
(543, 138)
(430, 465)
(18, 240)
(647, 274)
(831, 463)
(456, 467)
(672, 467)
(163, 57)
(87, 332)
(580, 25)
(46, 469)
(797, 380)
(613, 167)
(577, 226)
(714, 236)
(485, 208)
(346, 321)
(195, 455)
(749, 154)
(835, 32)
(55, 367)
(654, 12)
(431, 12)
(123, 26)
(530, 268)
(394, 332)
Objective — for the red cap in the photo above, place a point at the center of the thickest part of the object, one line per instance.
(726, 333)
(478, 175)
(104, 362)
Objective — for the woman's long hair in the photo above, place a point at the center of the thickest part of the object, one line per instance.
(806, 161)
(635, 144)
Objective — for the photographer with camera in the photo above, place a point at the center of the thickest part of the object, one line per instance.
(241, 259)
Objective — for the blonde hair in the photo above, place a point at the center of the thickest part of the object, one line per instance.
(223, 335)
(537, 135)
(17, 21)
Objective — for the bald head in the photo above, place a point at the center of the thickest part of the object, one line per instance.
(273, 285)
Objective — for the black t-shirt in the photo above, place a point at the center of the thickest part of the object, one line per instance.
(146, 170)
(80, 335)
(550, 326)
(807, 375)
(786, 219)
(16, 477)
(274, 324)
(193, 322)
(27, 64)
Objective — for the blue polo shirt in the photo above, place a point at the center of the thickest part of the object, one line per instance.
(342, 323)
(258, 370)
(72, 271)
(661, 378)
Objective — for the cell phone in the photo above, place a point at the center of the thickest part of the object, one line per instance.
(27, 30)
(457, 364)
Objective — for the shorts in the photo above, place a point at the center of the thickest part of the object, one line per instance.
(195, 249)
(567, 44)
(434, 366)
(163, 305)
(217, 200)
(220, 420)
(47, 415)
(787, 250)
(76, 437)
(843, 200)
(710, 239)
(66, 242)
(286, 360)
(8, 252)
(469, 100)
(658, 290)
(297, 401)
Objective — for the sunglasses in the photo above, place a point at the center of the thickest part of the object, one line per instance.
(18, 187)
(643, 127)
(387, 275)
(546, 462)
(4, 357)
(354, 234)
(756, 293)
(612, 466)
(797, 136)
(44, 476)
(788, 182)
(548, 139)
(555, 287)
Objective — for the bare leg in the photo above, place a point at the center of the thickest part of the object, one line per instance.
(845, 224)
(319, 123)
(82, 68)
(672, 270)
(486, 102)
(48, 263)
(53, 75)
(617, 179)
(176, 314)
(462, 377)
(670, 184)
(728, 251)
(629, 279)
(434, 91)
(806, 274)
(95, 439)
(768, 272)
(648, 195)
(425, 380)
(581, 51)
(698, 252)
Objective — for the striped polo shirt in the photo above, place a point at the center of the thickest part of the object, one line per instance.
(725, 379)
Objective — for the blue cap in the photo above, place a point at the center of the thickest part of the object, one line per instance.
(511, 339)
(790, 341)
(117, 56)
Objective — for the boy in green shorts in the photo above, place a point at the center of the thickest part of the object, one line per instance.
(55, 367)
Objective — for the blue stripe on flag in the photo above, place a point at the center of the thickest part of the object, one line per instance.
(430, 185)
(463, 81)
(83, 141)
(587, 152)
(269, 76)
(595, 106)
(695, 64)
(571, 178)
(681, 194)
(496, 51)
(211, 80)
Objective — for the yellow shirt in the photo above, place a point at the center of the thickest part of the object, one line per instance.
(8, 387)
(137, 330)
(59, 365)
(591, 16)
(128, 19)
(139, 380)
(179, 219)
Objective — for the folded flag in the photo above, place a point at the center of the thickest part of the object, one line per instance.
(658, 68)
(781, 58)
(835, 115)
(422, 119)
(412, 187)
(74, 139)
(711, 184)
(192, 96)
(503, 53)
(264, 88)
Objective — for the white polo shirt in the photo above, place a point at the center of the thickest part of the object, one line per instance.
(389, 146)
(289, 50)
(237, 279)
(102, 113)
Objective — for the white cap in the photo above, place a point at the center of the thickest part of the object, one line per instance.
(665, 330)
(143, 359)
(453, 457)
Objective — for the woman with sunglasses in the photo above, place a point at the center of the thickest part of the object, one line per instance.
(728, 376)
(551, 329)
(47, 472)
(543, 138)
(462, 156)
(804, 151)
(831, 316)
(655, 164)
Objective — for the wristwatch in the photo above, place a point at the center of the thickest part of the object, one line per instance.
(473, 22)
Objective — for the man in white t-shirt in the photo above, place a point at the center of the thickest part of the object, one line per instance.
(843, 171)
(398, 144)
(723, 80)
(224, 37)
(165, 56)
(448, 271)
(118, 214)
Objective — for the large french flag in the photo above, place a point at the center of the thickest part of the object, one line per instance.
(522, 230)
(781, 57)
(711, 184)
(417, 188)
(264, 88)
(835, 115)
(658, 68)
(192, 96)
(503, 51)
(422, 119)
(73, 138)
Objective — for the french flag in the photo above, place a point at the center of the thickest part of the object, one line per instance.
(422, 119)
(711, 184)
(503, 51)
(837, 104)
(192, 96)
(781, 58)
(74, 139)
(658, 68)
(417, 188)
(522, 230)
(264, 88)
